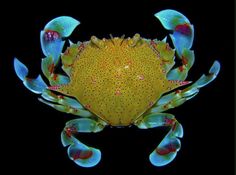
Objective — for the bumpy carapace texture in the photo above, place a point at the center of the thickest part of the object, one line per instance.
(118, 79)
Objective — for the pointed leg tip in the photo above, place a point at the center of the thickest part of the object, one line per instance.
(215, 68)
(178, 130)
(20, 69)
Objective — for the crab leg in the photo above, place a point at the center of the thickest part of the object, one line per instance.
(48, 68)
(182, 38)
(64, 104)
(183, 31)
(38, 86)
(52, 43)
(181, 72)
(35, 85)
(178, 97)
(80, 153)
(167, 150)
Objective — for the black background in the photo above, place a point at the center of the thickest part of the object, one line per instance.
(30, 130)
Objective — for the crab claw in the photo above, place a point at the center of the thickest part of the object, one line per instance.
(183, 34)
(51, 37)
(35, 85)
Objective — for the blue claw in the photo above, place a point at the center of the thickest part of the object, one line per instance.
(181, 73)
(53, 33)
(167, 150)
(183, 41)
(183, 31)
(64, 25)
(171, 18)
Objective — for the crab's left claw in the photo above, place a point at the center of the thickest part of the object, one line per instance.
(183, 31)
(52, 36)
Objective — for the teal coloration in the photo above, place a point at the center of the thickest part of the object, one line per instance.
(171, 19)
(206, 79)
(53, 48)
(66, 101)
(81, 154)
(20, 69)
(167, 150)
(181, 73)
(66, 108)
(62, 27)
(35, 85)
(52, 43)
(48, 67)
(95, 158)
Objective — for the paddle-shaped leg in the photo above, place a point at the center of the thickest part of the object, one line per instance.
(48, 68)
(166, 151)
(178, 97)
(183, 31)
(64, 104)
(36, 85)
(80, 153)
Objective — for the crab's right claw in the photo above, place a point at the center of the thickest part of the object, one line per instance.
(51, 37)
(183, 31)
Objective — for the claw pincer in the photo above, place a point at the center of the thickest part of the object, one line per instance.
(118, 82)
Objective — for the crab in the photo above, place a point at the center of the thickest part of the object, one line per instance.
(117, 82)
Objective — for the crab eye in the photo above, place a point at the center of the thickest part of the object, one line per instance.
(51, 35)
